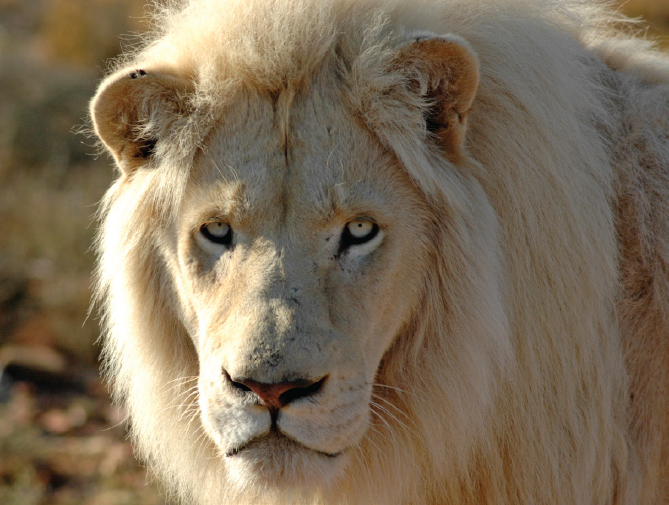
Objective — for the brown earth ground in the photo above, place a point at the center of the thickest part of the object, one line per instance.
(61, 440)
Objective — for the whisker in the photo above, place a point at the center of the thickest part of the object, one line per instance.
(401, 423)
(394, 388)
(395, 437)
(183, 379)
(365, 467)
(369, 439)
(183, 396)
(398, 410)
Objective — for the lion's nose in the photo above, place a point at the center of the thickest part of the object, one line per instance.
(280, 394)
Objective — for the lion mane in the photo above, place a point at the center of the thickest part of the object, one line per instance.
(527, 356)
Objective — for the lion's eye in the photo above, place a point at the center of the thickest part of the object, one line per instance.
(358, 232)
(217, 232)
(360, 229)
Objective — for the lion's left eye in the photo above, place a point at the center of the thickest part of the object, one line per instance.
(218, 233)
(358, 232)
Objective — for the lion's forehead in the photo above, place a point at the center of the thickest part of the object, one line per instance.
(273, 158)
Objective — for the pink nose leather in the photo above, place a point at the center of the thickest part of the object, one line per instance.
(270, 395)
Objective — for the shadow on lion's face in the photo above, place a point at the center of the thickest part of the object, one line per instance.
(297, 255)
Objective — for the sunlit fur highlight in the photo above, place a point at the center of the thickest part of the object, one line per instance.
(547, 294)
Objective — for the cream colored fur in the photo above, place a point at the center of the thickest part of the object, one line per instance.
(504, 339)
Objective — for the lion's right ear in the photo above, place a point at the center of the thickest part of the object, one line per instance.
(132, 110)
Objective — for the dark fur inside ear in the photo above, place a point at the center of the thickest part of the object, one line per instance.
(444, 71)
(146, 147)
(433, 121)
(133, 109)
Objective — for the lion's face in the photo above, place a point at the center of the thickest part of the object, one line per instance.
(296, 254)
(284, 244)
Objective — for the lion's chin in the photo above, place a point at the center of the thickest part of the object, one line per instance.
(277, 461)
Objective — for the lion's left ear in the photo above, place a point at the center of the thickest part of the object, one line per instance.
(444, 70)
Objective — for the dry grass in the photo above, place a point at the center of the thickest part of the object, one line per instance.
(654, 14)
(61, 442)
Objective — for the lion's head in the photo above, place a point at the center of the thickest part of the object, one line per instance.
(309, 278)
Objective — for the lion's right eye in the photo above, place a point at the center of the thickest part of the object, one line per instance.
(218, 233)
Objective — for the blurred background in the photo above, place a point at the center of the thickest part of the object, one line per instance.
(61, 440)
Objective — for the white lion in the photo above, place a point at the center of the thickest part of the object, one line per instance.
(390, 252)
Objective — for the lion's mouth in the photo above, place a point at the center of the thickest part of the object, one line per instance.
(278, 441)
